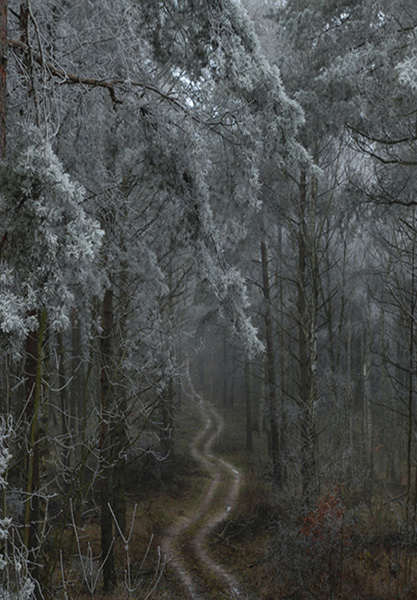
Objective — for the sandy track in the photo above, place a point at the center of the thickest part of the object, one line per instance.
(226, 480)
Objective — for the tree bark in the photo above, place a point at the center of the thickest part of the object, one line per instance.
(411, 372)
(34, 344)
(107, 525)
(248, 407)
(225, 373)
(307, 290)
(283, 366)
(62, 379)
(3, 77)
(78, 374)
(270, 372)
(168, 409)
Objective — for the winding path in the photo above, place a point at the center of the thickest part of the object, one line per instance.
(185, 541)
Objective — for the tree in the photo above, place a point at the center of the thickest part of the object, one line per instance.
(141, 113)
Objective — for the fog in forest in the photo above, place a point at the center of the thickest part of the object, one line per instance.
(208, 300)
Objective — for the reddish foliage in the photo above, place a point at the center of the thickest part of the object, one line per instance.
(326, 522)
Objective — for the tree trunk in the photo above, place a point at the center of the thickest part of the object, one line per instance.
(410, 383)
(107, 525)
(169, 404)
(307, 347)
(168, 409)
(3, 77)
(225, 373)
(119, 474)
(248, 407)
(62, 379)
(78, 374)
(270, 372)
(119, 434)
(232, 386)
(34, 343)
(282, 359)
(368, 433)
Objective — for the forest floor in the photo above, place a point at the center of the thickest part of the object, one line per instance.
(230, 538)
(207, 512)
(179, 547)
(185, 542)
(208, 527)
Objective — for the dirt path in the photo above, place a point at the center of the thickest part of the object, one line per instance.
(185, 541)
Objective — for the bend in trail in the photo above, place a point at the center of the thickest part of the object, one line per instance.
(226, 481)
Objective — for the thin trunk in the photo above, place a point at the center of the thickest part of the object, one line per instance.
(270, 372)
(78, 375)
(307, 346)
(248, 406)
(282, 357)
(368, 433)
(120, 438)
(3, 77)
(168, 407)
(260, 399)
(225, 363)
(168, 420)
(410, 381)
(107, 535)
(34, 345)
(62, 379)
(119, 471)
(349, 395)
(5, 385)
(232, 388)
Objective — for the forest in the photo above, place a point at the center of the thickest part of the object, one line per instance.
(208, 299)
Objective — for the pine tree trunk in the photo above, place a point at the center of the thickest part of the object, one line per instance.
(168, 420)
(3, 77)
(168, 406)
(107, 535)
(282, 358)
(270, 372)
(410, 383)
(248, 407)
(232, 387)
(367, 405)
(225, 373)
(119, 434)
(308, 457)
(5, 389)
(307, 346)
(119, 476)
(3, 110)
(78, 375)
(34, 343)
(62, 379)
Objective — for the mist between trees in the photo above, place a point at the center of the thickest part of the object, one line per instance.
(228, 185)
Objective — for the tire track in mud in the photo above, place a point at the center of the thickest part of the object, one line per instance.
(225, 481)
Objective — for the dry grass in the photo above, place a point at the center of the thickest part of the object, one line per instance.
(375, 567)
(159, 502)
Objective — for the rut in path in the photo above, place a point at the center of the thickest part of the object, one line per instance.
(224, 477)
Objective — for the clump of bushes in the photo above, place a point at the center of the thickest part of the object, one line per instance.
(309, 553)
